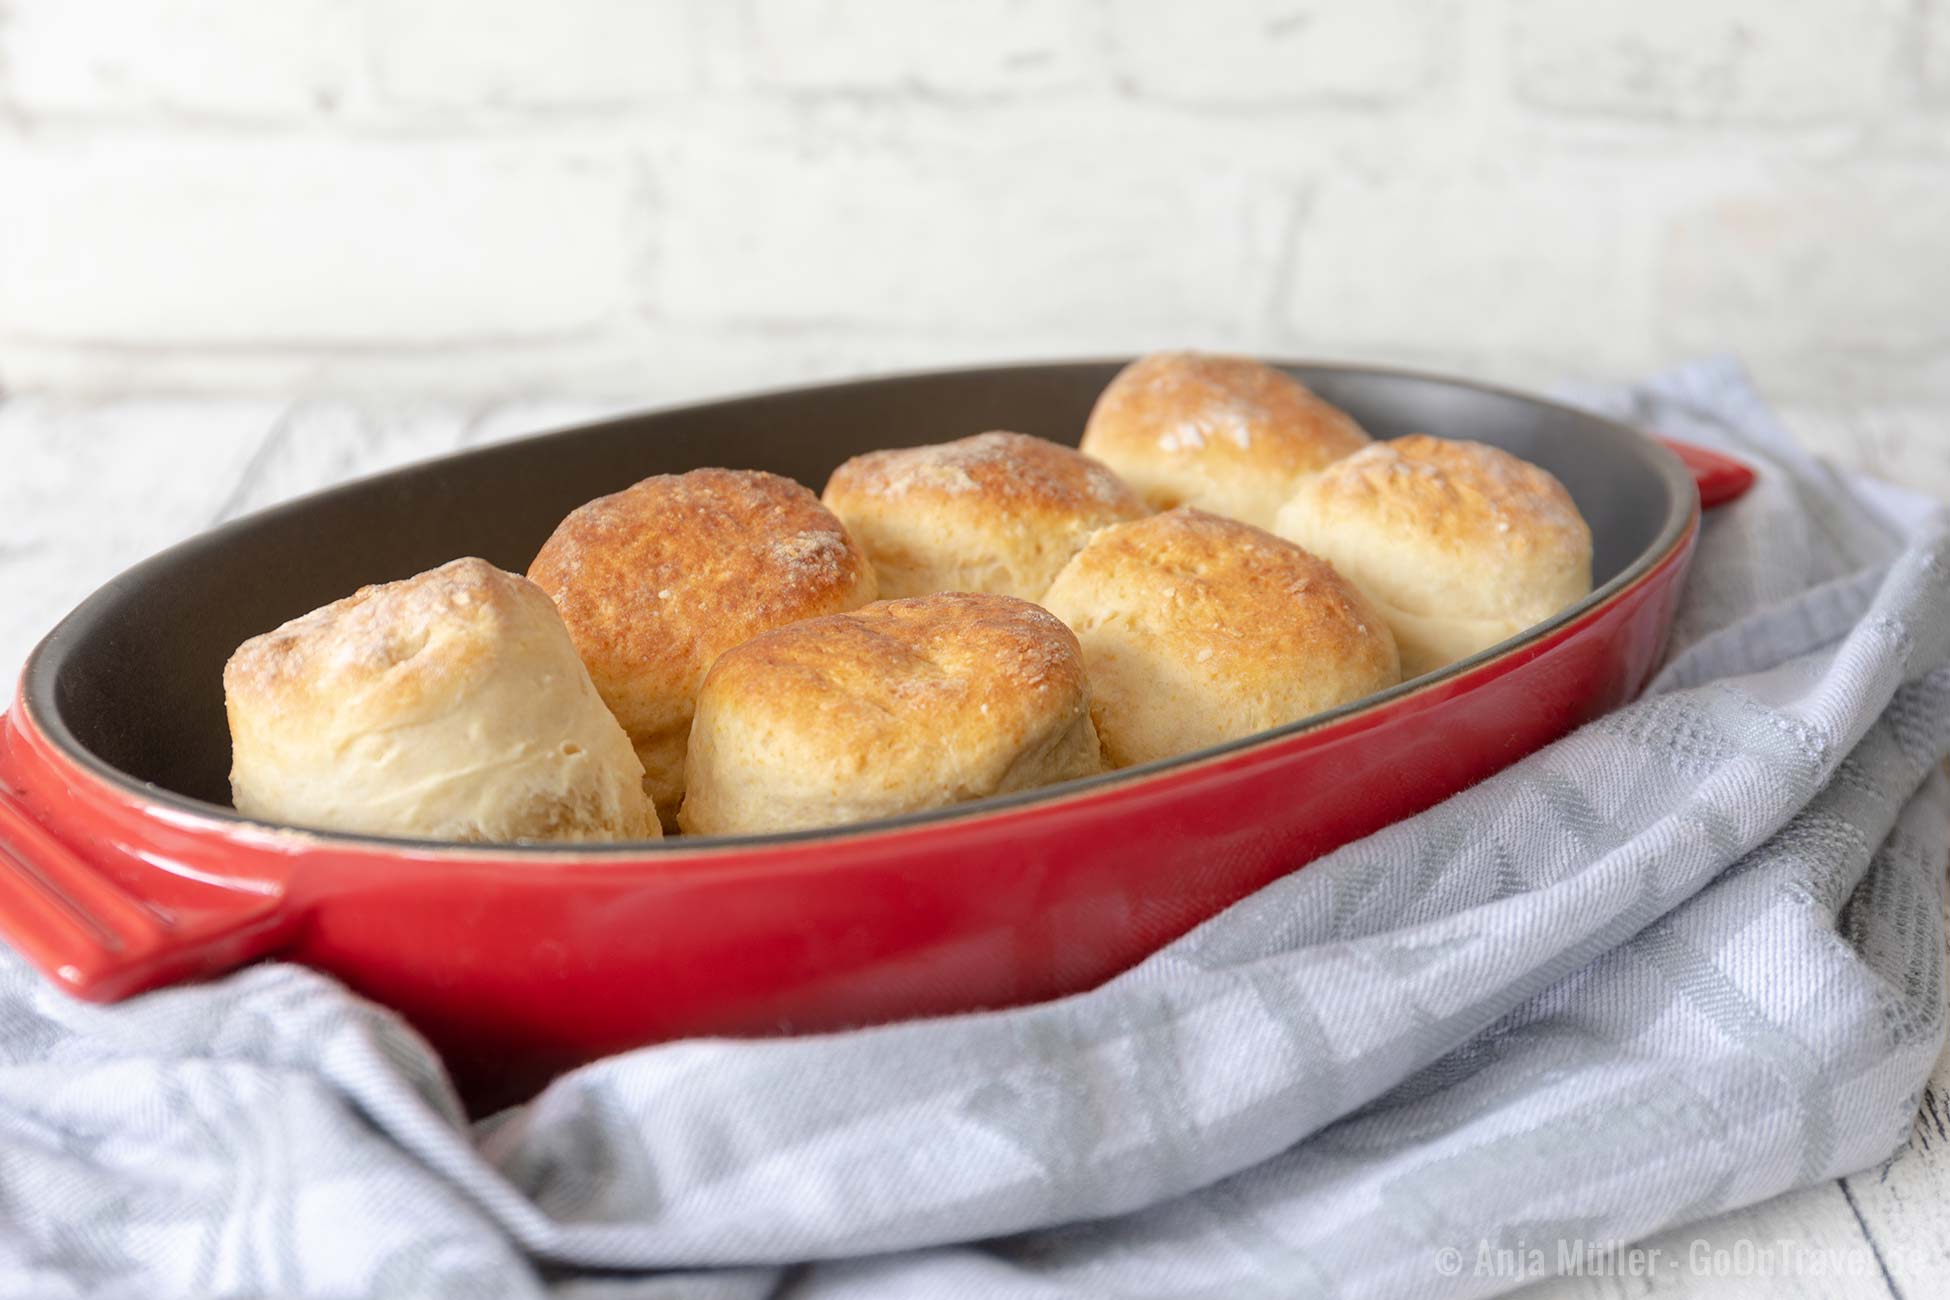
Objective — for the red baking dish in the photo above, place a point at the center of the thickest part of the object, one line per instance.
(122, 868)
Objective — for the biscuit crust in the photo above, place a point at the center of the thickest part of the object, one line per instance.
(1198, 630)
(997, 512)
(1460, 544)
(658, 580)
(1227, 435)
(900, 706)
(450, 706)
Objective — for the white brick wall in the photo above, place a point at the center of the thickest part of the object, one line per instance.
(974, 48)
(1248, 55)
(661, 198)
(232, 60)
(965, 234)
(261, 241)
(525, 55)
(1510, 260)
(1747, 61)
(1935, 49)
(1852, 267)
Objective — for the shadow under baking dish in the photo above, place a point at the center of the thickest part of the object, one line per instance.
(122, 867)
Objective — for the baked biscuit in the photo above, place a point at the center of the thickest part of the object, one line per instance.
(901, 706)
(1460, 545)
(449, 706)
(658, 580)
(1198, 630)
(1223, 434)
(998, 512)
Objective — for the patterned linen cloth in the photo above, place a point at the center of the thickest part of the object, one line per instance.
(1683, 960)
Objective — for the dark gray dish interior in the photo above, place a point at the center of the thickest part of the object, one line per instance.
(131, 682)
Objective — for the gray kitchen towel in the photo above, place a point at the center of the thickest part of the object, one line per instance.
(1685, 959)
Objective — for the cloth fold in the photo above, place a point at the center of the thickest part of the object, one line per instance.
(1685, 959)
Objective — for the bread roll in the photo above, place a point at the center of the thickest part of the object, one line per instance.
(904, 705)
(998, 512)
(1223, 434)
(658, 580)
(1198, 630)
(450, 706)
(1459, 545)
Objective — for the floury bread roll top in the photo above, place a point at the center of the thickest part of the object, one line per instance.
(1223, 434)
(1459, 544)
(449, 706)
(901, 706)
(1198, 630)
(658, 580)
(998, 512)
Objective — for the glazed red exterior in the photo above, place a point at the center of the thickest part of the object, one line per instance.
(517, 969)
(1720, 479)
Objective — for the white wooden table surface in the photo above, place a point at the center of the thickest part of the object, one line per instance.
(88, 488)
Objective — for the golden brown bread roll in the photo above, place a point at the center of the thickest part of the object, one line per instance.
(1460, 545)
(1224, 434)
(901, 706)
(450, 706)
(1198, 630)
(998, 512)
(658, 580)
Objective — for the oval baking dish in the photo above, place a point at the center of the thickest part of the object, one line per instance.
(122, 868)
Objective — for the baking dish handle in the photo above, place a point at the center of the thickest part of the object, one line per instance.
(104, 922)
(1720, 478)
